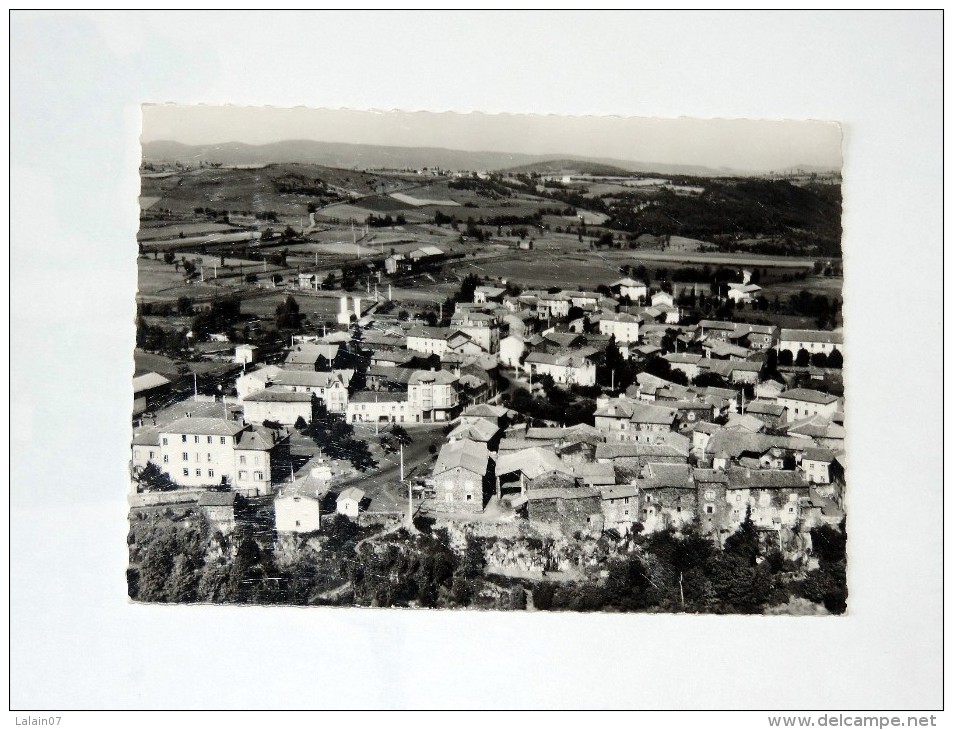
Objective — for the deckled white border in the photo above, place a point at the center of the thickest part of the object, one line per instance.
(77, 82)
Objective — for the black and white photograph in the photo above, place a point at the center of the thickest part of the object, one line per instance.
(401, 376)
(448, 360)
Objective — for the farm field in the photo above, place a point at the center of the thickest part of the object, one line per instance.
(418, 202)
(168, 231)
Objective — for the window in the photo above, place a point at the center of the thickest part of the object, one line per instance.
(165, 441)
(256, 460)
(185, 456)
(185, 472)
(209, 439)
(709, 494)
(709, 509)
(196, 439)
(469, 498)
(165, 458)
(241, 459)
(221, 440)
(243, 474)
(625, 501)
(790, 509)
(183, 438)
(198, 472)
(297, 523)
(738, 497)
(627, 513)
(135, 453)
(208, 456)
(648, 497)
(259, 476)
(152, 454)
(211, 472)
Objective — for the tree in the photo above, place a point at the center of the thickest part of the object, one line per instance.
(400, 436)
(786, 358)
(819, 359)
(803, 358)
(287, 314)
(835, 359)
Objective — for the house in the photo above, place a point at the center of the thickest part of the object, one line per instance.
(497, 415)
(523, 468)
(663, 298)
(772, 414)
(701, 435)
(811, 340)
(816, 465)
(714, 330)
(462, 476)
(623, 419)
(460, 343)
(594, 474)
(381, 406)
(429, 340)
(388, 358)
(208, 452)
(631, 288)
(625, 327)
(219, 509)
(482, 328)
(246, 354)
(620, 506)
(433, 394)
(297, 510)
(773, 497)
(687, 362)
(552, 305)
(804, 402)
(568, 367)
(330, 388)
(583, 299)
(308, 281)
(714, 509)
(721, 350)
(739, 293)
(279, 405)
(667, 496)
(488, 294)
(479, 430)
(573, 509)
(311, 356)
(349, 502)
(757, 336)
(768, 390)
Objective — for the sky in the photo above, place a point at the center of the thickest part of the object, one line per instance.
(756, 145)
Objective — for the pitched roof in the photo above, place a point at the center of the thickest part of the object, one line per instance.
(478, 430)
(378, 396)
(430, 333)
(656, 475)
(535, 495)
(485, 410)
(217, 499)
(709, 476)
(148, 381)
(532, 462)
(635, 449)
(260, 438)
(595, 473)
(743, 478)
(819, 454)
(747, 422)
(148, 436)
(351, 493)
(436, 377)
(618, 491)
(308, 353)
(204, 427)
(791, 335)
(277, 394)
(734, 443)
(760, 407)
(808, 396)
(466, 454)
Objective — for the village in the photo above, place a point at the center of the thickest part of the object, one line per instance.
(412, 390)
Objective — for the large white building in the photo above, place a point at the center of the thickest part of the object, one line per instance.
(210, 452)
(625, 327)
(329, 388)
(811, 340)
(573, 367)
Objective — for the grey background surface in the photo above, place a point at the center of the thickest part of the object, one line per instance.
(76, 84)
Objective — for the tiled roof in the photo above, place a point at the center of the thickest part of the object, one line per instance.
(378, 396)
(532, 462)
(632, 450)
(278, 395)
(466, 454)
(351, 493)
(833, 338)
(535, 495)
(819, 454)
(148, 381)
(742, 478)
(808, 396)
(436, 377)
(204, 427)
(217, 499)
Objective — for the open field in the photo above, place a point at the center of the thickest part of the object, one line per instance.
(417, 202)
(163, 231)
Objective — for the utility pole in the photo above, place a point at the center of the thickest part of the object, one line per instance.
(195, 385)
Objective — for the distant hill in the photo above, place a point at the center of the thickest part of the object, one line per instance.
(359, 156)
